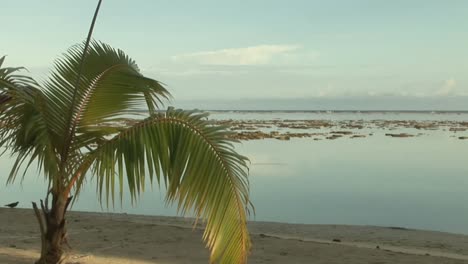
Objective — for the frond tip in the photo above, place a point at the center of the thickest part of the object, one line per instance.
(198, 163)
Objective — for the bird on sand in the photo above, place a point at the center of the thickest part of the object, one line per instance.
(12, 205)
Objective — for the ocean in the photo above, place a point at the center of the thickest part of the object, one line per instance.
(417, 182)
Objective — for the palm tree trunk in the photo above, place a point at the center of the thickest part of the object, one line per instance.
(53, 230)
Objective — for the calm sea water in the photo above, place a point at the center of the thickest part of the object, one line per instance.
(419, 182)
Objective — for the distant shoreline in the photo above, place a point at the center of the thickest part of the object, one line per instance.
(327, 111)
(345, 111)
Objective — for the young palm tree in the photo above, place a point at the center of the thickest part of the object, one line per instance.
(78, 129)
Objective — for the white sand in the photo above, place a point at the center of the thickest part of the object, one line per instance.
(119, 238)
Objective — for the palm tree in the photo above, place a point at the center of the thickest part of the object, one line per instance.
(74, 130)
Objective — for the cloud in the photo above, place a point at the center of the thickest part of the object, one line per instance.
(449, 88)
(254, 55)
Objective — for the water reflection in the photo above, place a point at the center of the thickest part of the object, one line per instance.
(419, 182)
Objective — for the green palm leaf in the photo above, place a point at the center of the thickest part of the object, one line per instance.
(196, 161)
(23, 129)
(110, 86)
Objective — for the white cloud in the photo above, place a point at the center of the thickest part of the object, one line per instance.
(328, 90)
(255, 55)
(448, 88)
(182, 70)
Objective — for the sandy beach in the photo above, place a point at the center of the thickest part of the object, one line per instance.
(121, 238)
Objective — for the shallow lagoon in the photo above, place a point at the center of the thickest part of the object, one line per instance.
(419, 182)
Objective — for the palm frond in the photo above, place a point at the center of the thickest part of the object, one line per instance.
(197, 162)
(23, 130)
(110, 86)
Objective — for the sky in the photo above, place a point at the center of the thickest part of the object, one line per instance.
(222, 54)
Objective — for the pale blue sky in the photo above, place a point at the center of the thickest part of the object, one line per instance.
(230, 50)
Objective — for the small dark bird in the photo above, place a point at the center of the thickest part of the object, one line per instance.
(12, 205)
